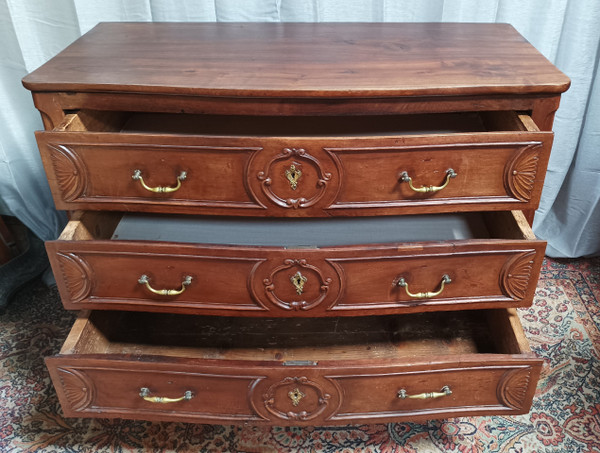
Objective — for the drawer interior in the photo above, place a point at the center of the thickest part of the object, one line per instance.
(298, 339)
(289, 233)
(296, 126)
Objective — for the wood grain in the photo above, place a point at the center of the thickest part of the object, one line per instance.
(304, 60)
(255, 281)
(236, 165)
(238, 372)
(236, 106)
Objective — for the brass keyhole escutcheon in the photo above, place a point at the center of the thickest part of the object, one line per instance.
(296, 395)
(293, 176)
(298, 280)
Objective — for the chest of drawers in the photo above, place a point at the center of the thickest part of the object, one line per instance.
(296, 223)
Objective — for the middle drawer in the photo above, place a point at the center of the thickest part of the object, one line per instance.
(299, 267)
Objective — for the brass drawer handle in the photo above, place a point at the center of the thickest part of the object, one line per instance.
(426, 295)
(145, 394)
(424, 396)
(427, 189)
(145, 280)
(137, 176)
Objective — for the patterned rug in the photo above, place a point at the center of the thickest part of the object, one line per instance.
(563, 326)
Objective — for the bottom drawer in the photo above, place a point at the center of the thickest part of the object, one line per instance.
(295, 371)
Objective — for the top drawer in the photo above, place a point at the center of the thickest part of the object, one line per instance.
(295, 166)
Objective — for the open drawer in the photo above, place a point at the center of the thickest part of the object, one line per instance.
(296, 267)
(295, 166)
(318, 372)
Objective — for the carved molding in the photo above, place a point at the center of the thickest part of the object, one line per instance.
(516, 274)
(520, 172)
(513, 386)
(77, 387)
(76, 274)
(70, 171)
(301, 202)
(300, 383)
(269, 286)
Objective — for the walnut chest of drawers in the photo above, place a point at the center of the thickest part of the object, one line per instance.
(296, 223)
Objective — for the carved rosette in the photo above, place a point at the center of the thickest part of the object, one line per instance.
(295, 155)
(520, 172)
(311, 396)
(77, 387)
(516, 274)
(513, 387)
(302, 304)
(76, 275)
(70, 171)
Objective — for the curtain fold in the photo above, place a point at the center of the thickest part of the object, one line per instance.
(567, 32)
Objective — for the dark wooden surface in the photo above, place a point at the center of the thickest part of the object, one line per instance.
(302, 70)
(306, 60)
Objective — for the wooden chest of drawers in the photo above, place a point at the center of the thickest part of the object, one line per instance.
(296, 223)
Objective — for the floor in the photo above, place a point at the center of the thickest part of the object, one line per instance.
(563, 327)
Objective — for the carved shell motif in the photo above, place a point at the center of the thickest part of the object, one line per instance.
(78, 389)
(516, 274)
(521, 171)
(76, 274)
(70, 171)
(513, 387)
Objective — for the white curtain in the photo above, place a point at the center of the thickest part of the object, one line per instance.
(567, 32)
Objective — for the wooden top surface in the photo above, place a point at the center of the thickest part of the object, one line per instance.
(301, 60)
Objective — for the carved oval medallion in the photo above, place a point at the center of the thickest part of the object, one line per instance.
(292, 296)
(296, 398)
(298, 160)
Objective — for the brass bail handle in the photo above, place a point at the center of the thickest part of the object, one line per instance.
(445, 391)
(425, 295)
(450, 173)
(145, 280)
(137, 176)
(145, 394)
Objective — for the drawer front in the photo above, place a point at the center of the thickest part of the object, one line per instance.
(322, 395)
(275, 282)
(296, 176)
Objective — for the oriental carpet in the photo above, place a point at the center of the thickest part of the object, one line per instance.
(563, 327)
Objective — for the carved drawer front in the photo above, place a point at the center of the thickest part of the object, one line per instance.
(131, 390)
(321, 371)
(296, 166)
(454, 391)
(339, 276)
